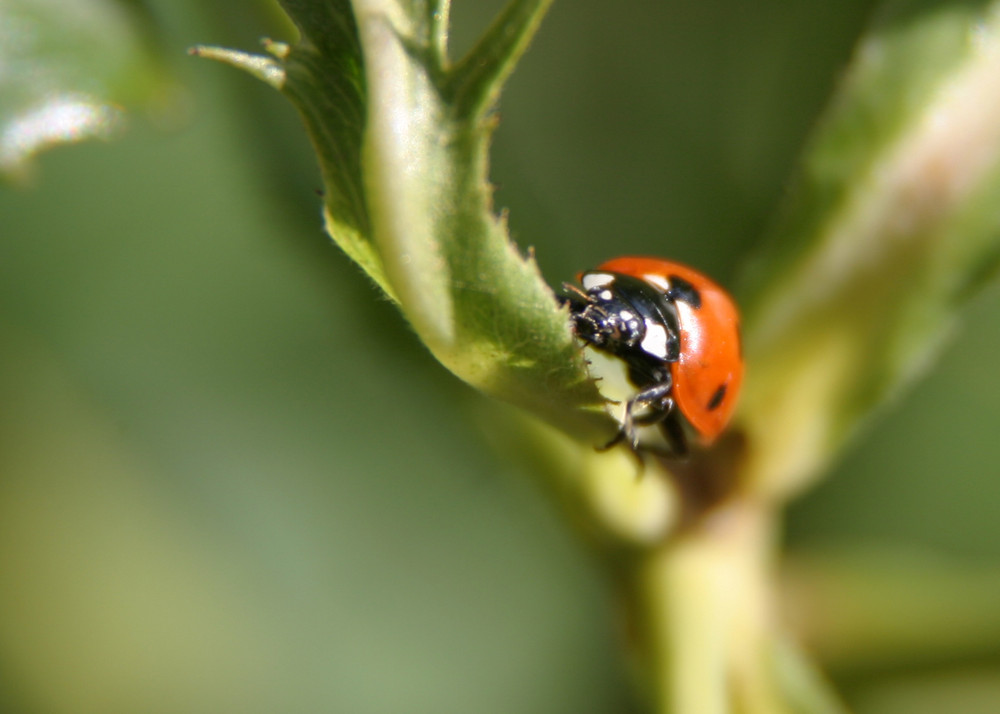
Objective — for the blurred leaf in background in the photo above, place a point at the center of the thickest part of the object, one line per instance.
(232, 481)
(68, 70)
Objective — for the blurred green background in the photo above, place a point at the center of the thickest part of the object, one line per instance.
(231, 479)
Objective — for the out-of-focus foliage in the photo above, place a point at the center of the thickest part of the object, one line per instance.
(890, 227)
(232, 481)
(66, 71)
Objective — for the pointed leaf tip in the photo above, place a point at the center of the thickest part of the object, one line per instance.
(261, 67)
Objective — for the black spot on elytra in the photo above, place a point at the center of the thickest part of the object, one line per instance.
(717, 398)
(681, 289)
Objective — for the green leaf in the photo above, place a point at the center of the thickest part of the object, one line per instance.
(403, 142)
(890, 226)
(866, 609)
(326, 82)
(481, 308)
(474, 83)
(68, 71)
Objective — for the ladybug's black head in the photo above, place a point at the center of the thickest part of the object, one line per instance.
(624, 316)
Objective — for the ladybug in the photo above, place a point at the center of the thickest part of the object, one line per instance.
(676, 333)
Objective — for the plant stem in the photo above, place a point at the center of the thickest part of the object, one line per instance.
(701, 605)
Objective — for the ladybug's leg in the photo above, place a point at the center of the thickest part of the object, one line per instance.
(650, 406)
(673, 432)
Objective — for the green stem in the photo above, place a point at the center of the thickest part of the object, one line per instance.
(702, 609)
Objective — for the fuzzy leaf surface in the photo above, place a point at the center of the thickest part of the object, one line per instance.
(403, 141)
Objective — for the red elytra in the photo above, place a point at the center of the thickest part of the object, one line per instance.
(709, 373)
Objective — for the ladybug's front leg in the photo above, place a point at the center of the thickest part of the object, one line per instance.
(650, 406)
